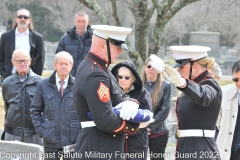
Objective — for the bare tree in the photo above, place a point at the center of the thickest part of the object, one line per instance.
(142, 11)
(155, 23)
(204, 15)
(6, 15)
(63, 12)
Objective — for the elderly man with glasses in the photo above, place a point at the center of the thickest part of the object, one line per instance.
(23, 37)
(17, 91)
(228, 139)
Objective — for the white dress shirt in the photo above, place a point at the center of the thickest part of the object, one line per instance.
(21, 42)
(58, 80)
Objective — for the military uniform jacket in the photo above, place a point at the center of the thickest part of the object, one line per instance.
(198, 108)
(97, 91)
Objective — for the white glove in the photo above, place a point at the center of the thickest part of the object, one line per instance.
(145, 124)
(157, 63)
(173, 76)
(128, 109)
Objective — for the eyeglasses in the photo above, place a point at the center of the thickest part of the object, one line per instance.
(20, 61)
(126, 77)
(149, 66)
(235, 79)
(25, 17)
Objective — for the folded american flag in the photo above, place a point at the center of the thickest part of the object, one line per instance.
(143, 115)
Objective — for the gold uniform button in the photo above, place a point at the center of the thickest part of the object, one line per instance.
(95, 63)
(114, 135)
(132, 129)
(126, 127)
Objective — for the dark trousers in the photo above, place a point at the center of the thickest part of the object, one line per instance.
(55, 154)
(157, 146)
(235, 156)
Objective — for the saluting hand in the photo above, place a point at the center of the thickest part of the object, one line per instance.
(157, 63)
(173, 76)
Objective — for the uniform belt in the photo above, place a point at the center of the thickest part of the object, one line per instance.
(87, 124)
(195, 133)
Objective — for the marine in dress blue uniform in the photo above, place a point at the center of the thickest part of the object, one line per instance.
(97, 91)
(198, 105)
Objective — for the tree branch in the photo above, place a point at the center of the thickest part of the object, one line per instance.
(179, 5)
(114, 12)
(135, 57)
(150, 12)
(93, 5)
(162, 19)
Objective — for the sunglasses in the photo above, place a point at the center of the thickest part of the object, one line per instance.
(149, 66)
(126, 77)
(235, 79)
(25, 17)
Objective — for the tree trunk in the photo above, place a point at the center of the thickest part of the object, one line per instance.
(155, 38)
(93, 5)
(141, 39)
(165, 11)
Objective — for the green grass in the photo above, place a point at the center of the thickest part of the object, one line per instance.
(47, 73)
(224, 82)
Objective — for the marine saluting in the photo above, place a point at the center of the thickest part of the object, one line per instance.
(198, 105)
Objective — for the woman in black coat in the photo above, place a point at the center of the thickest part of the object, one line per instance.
(131, 83)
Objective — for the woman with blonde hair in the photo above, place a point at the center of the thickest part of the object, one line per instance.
(198, 105)
(160, 91)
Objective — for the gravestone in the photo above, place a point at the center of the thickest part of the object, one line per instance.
(208, 39)
(50, 54)
(172, 118)
(20, 150)
(174, 91)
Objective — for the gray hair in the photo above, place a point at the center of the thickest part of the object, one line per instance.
(217, 70)
(131, 74)
(66, 54)
(81, 13)
(20, 50)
